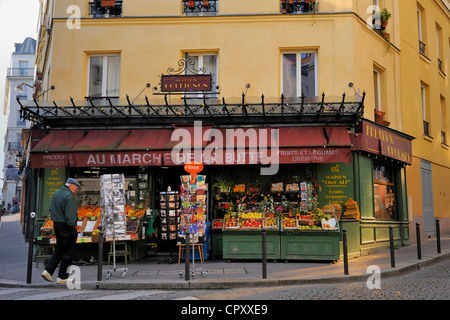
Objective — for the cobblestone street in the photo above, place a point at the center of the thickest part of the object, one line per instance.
(431, 283)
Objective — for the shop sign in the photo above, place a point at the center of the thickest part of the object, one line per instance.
(255, 156)
(178, 83)
(378, 140)
(94, 159)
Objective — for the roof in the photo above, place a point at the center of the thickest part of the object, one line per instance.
(28, 46)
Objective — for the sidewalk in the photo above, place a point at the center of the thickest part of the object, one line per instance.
(157, 273)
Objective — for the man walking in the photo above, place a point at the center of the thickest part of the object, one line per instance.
(63, 211)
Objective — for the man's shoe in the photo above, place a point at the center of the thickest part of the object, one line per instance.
(47, 276)
(62, 281)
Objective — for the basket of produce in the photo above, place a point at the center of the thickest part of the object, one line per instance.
(231, 223)
(333, 208)
(132, 225)
(270, 221)
(47, 227)
(307, 220)
(239, 188)
(330, 222)
(276, 187)
(91, 225)
(217, 224)
(289, 221)
(292, 187)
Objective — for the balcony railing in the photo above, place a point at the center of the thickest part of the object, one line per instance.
(15, 146)
(20, 72)
(443, 137)
(441, 66)
(422, 48)
(200, 8)
(426, 128)
(99, 11)
(299, 6)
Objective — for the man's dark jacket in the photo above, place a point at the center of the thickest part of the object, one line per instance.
(63, 207)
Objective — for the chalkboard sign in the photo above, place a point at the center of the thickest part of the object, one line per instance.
(54, 178)
(336, 183)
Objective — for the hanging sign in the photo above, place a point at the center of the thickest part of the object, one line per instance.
(193, 168)
(177, 83)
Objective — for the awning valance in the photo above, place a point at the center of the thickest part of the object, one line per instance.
(179, 145)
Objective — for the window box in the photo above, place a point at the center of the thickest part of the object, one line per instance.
(200, 8)
(105, 9)
(299, 6)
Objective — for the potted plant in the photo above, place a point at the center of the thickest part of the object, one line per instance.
(223, 184)
(191, 4)
(384, 16)
(205, 3)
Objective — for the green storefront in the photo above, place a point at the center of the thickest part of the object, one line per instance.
(375, 179)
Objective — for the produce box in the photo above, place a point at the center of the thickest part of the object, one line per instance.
(270, 221)
(217, 224)
(289, 221)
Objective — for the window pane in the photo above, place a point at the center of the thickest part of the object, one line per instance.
(384, 192)
(95, 76)
(308, 74)
(210, 65)
(193, 68)
(290, 75)
(113, 81)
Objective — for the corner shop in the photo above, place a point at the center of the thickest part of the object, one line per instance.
(317, 139)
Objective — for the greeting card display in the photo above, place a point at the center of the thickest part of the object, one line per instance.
(112, 202)
(193, 205)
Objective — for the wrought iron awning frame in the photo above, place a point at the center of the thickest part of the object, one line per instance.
(144, 113)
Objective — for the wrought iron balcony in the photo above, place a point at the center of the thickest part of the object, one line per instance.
(443, 137)
(14, 146)
(299, 6)
(422, 48)
(200, 8)
(20, 72)
(426, 128)
(97, 10)
(441, 66)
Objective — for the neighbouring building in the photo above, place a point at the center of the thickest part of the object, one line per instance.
(19, 83)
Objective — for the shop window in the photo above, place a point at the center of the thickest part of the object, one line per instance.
(384, 192)
(299, 74)
(104, 76)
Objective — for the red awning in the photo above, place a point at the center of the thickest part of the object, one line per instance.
(147, 147)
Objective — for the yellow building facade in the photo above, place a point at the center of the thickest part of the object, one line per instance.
(257, 47)
(425, 94)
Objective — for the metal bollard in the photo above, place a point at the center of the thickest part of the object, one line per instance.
(30, 246)
(391, 242)
(344, 244)
(100, 256)
(438, 236)
(419, 249)
(264, 254)
(186, 257)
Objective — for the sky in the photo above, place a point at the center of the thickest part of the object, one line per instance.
(18, 20)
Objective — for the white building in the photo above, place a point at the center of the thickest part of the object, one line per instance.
(19, 82)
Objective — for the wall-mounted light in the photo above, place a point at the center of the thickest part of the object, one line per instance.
(19, 87)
